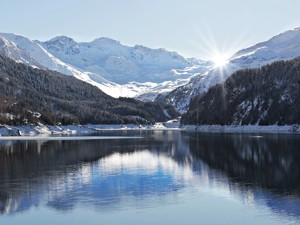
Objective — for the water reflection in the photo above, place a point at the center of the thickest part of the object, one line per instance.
(62, 174)
(104, 173)
(261, 169)
(271, 161)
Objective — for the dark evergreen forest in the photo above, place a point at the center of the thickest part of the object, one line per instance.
(265, 96)
(62, 99)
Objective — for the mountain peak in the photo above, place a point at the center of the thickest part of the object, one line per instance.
(16, 38)
(63, 44)
(62, 38)
(106, 41)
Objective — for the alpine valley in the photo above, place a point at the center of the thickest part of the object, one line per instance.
(158, 79)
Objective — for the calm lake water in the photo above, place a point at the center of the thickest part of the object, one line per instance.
(154, 177)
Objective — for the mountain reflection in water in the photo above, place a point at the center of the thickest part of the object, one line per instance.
(66, 174)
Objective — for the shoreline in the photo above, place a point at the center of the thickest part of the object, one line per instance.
(269, 129)
(35, 130)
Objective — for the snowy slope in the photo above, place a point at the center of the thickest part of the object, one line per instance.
(116, 69)
(119, 63)
(143, 72)
(284, 46)
(31, 52)
(11, 49)
(23, 50)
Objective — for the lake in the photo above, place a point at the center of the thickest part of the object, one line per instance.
(151, 177)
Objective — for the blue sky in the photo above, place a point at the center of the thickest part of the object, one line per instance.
(190, 27)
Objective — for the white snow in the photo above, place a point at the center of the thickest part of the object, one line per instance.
(132, 68)
(31, 130)
(40, 129)
(116, 69)
(172, 123)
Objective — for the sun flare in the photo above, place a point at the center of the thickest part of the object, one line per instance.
(220, 60)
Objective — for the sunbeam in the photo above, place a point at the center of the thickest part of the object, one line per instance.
(220, 60)
(219, 52)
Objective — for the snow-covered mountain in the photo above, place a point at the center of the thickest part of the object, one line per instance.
(119, 63)
(284, 46)
(25, 51)
(141, 72)
(116, 69)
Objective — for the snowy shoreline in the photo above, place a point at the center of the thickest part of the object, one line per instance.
(34, 130)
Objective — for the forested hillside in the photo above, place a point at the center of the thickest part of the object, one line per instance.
(265, 96)
(32, 95)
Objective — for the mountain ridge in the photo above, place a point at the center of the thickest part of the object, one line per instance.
(106, 63)
(258, 96)
(284, 46)
(141, 72)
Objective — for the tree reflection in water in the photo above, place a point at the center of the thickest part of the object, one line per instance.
(103, 173)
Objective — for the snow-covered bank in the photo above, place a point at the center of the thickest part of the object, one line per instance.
(33, 130)
(289, 129)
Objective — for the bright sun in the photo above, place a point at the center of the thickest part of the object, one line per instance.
(220, 60)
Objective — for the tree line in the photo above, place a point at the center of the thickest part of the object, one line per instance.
(265, 96)
(62, 99)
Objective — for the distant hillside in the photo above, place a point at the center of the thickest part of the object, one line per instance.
(56, 98)
(265, 96)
